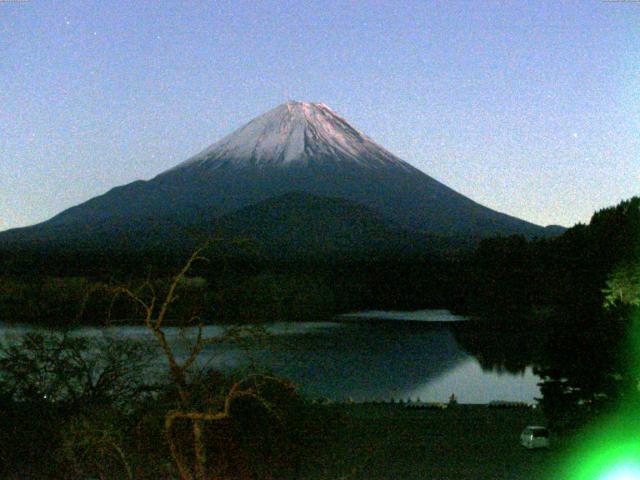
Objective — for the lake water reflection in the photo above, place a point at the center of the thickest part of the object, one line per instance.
(362, 360)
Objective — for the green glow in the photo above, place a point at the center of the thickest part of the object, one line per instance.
(629, 471)
(609, 452)
(610, 448)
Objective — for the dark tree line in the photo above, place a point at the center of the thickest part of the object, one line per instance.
(568, 273)
(576, 298)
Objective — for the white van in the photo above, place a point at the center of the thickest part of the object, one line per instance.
(535, 437)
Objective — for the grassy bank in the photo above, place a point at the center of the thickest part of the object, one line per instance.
(466, 442)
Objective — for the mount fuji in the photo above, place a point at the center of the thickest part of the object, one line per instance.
(297, 147)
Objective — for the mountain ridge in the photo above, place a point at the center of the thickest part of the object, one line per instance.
(301, 147)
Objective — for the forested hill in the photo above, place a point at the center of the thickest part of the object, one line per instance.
(575, 272)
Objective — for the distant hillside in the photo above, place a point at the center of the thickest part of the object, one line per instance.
(291, 227)
(303, 225)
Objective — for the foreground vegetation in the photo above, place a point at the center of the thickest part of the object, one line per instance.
(72, 408)
(101, 410)
(275, 436)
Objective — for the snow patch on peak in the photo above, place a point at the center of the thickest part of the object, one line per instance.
(295, 132)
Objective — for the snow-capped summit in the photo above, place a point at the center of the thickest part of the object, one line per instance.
(295, 132)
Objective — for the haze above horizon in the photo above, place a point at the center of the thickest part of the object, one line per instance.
(529, 109)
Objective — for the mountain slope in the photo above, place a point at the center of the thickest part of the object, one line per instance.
(301, 147)
(287, 226)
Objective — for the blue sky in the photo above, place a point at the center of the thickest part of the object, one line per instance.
(531, 108)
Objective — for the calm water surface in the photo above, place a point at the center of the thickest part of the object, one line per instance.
(366, 356)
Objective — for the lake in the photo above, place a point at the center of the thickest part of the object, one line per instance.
(367, 356)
